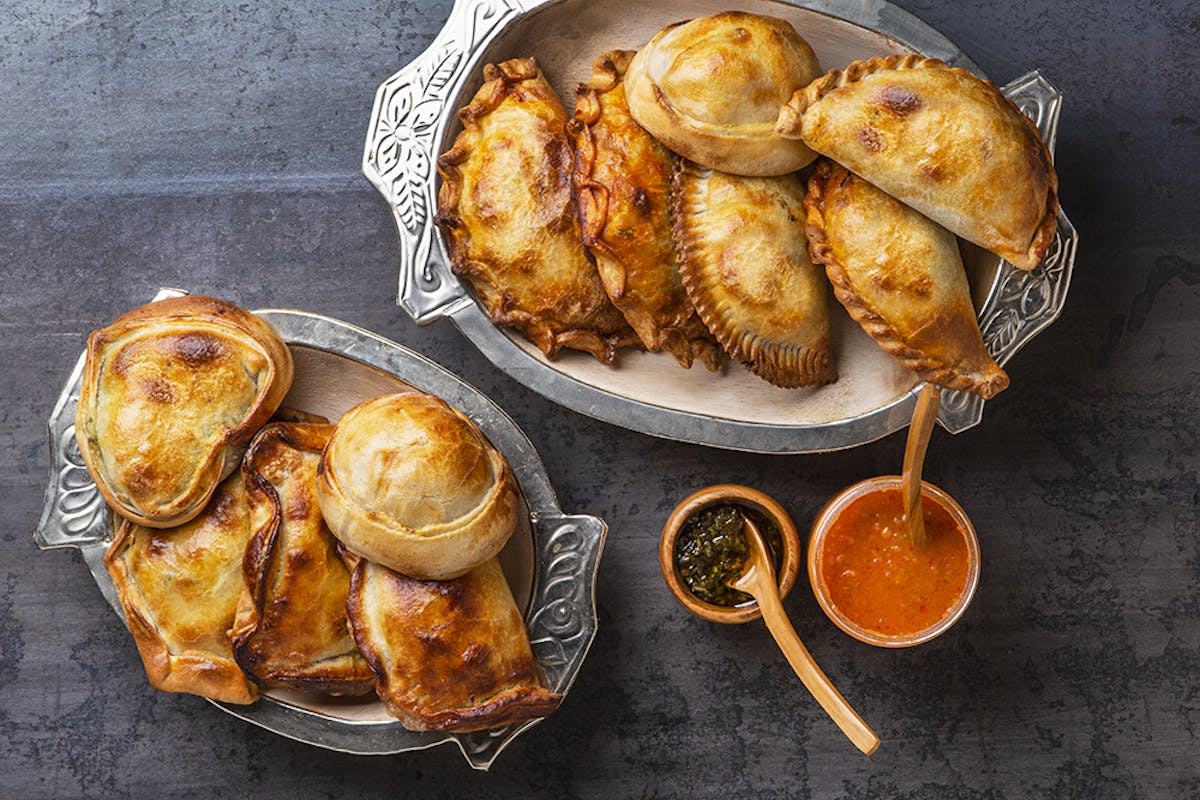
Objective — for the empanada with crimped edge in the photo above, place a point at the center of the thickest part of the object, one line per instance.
(180, 589)
(744, 260)
(900, 276)
(448, 655)
(622, 184)
(171, 393)
(941, 141)
(506, 208)
(291, 628)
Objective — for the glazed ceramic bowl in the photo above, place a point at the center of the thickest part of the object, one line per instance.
(816, 542)
(718, 495)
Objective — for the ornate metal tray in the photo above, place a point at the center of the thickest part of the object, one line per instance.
(550, 563)
(414, 120)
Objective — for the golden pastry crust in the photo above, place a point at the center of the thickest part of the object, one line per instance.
(180, 588)
(940, 140)
(448, 655)
(291, 628)
(622, 185)
(171, 394)
(505, 206)
(710, 89)
(744, 260)
(900, 277)
(409, 482)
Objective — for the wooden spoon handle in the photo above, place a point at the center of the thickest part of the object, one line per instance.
(919, 431)
(813, 678)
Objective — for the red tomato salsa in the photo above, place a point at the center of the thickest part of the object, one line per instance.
(878, 580)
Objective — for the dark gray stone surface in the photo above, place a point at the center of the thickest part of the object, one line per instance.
(215, 146)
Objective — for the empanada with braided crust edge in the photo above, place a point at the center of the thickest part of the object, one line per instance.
(900, 276)
(506, 208)
(622, 185)
(941, 141)
(744, 260)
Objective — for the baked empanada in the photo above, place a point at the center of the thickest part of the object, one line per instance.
(409, 482)
(710, 89)
(180, 588)
(940, 140)
(448, 655)
(505, 205)
(171, 394)
(291, 628)
(900, 276)
(622, 183)
(744, 259)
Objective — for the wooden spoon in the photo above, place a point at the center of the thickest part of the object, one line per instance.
(758, 580)
(919, 431)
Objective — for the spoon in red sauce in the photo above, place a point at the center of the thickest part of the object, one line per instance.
(919, 431)
(757, 579)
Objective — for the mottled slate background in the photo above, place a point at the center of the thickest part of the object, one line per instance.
(215, 146)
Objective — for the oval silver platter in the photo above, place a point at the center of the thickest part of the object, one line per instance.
(550, 563)
(414, 119)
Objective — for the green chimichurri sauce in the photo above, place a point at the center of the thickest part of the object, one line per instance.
(711, 549)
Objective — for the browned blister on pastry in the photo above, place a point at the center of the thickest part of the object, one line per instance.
(940, 140)
(506, 207)
(744, 259)
(710, 89)
(900, 276)
(291, 628)
(180, 588)
(448, 655)
(622, 184)
(170, 396)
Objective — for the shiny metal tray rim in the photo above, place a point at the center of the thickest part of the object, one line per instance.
(413, 110)
(561, 617)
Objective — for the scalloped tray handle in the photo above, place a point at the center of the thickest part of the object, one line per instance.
(1023, 303)
(401, 151)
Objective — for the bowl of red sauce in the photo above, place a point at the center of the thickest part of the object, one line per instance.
(869, 579)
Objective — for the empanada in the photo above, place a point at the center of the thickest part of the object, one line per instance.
(710, 89)
(900, 276)
(409, 482)
(622, 184)
(291, 628)
(505, 205)
(744, 259)
(448, 655)
(171, 394)
(940, 140)
(180, 588)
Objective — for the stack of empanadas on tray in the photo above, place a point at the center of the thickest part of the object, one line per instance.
(680, 210)
(257, 547)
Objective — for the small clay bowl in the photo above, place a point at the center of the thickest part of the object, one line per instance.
(816, 542)
(720, 495)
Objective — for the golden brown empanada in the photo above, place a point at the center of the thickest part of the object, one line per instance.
(291, 628)
(940, 140)
(505, 205)
(744, 259)
(448, 655)
(900, 276)
(710, 89)
(409, 482)
(180, 588)
(171, 394)
(622, 184)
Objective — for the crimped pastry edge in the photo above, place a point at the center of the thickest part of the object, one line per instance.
(792, 113)
(260, 552)
(931, 370)
(787, 366)
(591, 206)
(503, 78)
(225, 453)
